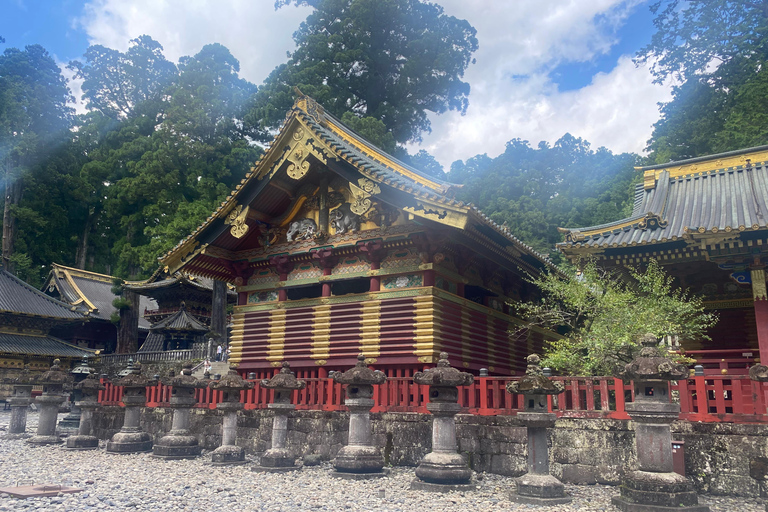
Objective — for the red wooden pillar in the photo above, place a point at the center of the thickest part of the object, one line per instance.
(761, 311)
(429, 278)
(326, 285)
(375, 280)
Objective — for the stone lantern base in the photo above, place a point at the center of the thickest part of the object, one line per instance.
(177, 446)
(443, 472)
(54, 439)
(277, 460)
(130, 442)
(539, 490)
(228, 455)
(643, 491)
(359, 460)
(82, 442)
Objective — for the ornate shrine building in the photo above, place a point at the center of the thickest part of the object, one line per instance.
(27, 316)
(337, 248)
(91, 294)
(704, 220)
(183, 312)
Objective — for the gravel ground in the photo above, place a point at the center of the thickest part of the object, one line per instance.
(142, 483)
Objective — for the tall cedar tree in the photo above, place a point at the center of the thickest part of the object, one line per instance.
(716, 50)
(392, 60)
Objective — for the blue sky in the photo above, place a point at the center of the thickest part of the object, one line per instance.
(544, 67)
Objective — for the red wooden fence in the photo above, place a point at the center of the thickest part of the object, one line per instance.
(712, 398)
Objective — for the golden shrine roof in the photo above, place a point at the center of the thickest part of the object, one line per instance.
(333, 140)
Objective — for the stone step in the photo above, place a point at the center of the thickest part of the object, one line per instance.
(219, 367)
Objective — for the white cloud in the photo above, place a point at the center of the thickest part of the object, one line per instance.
(256, 34)
(617, 110)
(75, 87)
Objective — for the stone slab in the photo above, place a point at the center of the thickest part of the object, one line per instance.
(360, 476)
(419, 485)
(33, 491)
(627, 506)
(544, 502)
(278, 469)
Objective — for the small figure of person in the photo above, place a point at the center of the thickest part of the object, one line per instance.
(218, 353)
(207, 366)
(228, 353)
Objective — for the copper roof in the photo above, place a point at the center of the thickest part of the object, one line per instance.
(686, 198)
(18, 297)
(39, 344)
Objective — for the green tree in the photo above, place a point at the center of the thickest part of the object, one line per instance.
(602, 313)
(34, 118)
(392, 60)
(114, 83)
(716, 50)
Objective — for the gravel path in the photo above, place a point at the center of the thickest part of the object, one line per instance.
(142, 483)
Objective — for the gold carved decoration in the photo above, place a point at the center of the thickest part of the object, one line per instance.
(302, 145)
(237, 219)
(362, 195)
(321, 362)
(758, 284)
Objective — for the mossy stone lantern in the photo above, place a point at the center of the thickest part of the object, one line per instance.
(443, 469)
(20, 400)
(537, 487)
(279, 458)
(654, 486)
(88, 392)
(359, 458)
(53, 382)
(179, 443)
(230, 386)
(131, 439)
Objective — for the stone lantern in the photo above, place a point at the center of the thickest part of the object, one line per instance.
(88, 391)
(443, 469)
(359, 459)
(230, 386)
(53, 382)
(179, 443)
(654, 487)
(131, 439)
(537, 487)
(79, 373)
(279, 458)
(22, 397)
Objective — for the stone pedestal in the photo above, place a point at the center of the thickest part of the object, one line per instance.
(89, 390)
(278, 458)
(654, 486)
(359, 459)
(20, 400)
(443, 469)
(131, 439)
(179, 443)
(230, 386)
(537, 486)
(53, 382)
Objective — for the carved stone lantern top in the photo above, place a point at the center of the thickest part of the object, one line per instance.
(650, 365)
(55, 376)
(134, 378)
(231, 382)
(759, 372)
(82, 370)
(443, 375)
(360, 374)
(90, 386)
(534, 382)
(185, 380)
(285, 380)
(23, 378)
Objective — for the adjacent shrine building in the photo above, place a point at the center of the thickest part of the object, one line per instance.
(704, 220)
(337, 248)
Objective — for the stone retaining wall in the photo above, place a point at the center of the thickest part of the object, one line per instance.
(720, 458)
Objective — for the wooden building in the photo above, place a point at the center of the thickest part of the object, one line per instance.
(704, 220)
(27, 317)
(91, 294)
(337, 248)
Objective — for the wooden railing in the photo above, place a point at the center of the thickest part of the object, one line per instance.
(196, 352)
(714, 398)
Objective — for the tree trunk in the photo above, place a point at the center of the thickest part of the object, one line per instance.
(12, 196)
(219, 311)
(128, 329)
(82, 248)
